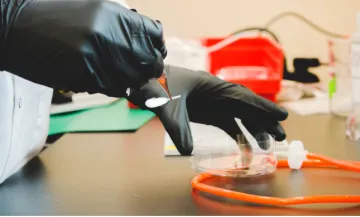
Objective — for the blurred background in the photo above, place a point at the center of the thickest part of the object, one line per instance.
(199, 18)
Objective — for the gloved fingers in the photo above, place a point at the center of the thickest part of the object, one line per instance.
(260, 134)
(158, 65)
(150, 60)
(279, 112)
(175, 119)
(229, 125)
(241, 101)
(155, 31)
(272, 128)
(260, 108)
(152, 28)
(220, 120)
(147, 43)
(152, 89)
(277, 131)
(222, 116)
(244, 101)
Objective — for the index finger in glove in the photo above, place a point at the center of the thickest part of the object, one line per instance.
(242, 102)
(142, 39)
(173, 115)
(258, 112)
(154, 29)
(256, 105)
(274, 128)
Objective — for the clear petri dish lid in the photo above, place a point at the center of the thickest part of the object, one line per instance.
(244, 160)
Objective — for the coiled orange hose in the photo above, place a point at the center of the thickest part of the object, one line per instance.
(313, 160)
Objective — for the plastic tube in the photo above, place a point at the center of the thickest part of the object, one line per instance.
(196, 183)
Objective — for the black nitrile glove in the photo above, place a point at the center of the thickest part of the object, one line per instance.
(209, 100)
(80, 45)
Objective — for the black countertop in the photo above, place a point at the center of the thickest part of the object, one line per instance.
(127, 174)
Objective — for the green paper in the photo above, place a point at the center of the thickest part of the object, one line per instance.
(114, 117)
(332, 86)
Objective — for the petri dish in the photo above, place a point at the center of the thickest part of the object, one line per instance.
(246, 160)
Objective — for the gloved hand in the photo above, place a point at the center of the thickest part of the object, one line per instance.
(80, 45)
(209, 100)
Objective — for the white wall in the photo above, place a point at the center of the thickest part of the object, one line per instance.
(196, 18)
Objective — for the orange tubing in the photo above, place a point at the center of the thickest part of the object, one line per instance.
(314, 160)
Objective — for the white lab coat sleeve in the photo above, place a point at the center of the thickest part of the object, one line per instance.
(24, 115)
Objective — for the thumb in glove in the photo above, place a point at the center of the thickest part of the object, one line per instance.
(173, 115)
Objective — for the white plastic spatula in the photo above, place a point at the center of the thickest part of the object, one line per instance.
(254, 144)
(247, 148)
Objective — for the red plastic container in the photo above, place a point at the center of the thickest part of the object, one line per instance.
(255, 62)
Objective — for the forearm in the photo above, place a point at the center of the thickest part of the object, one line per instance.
(94, 45)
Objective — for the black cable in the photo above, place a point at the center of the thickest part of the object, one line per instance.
(305, 20)
(279, 17)
(256, 29)
(291, 14)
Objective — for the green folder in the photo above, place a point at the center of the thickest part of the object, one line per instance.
(114, 117)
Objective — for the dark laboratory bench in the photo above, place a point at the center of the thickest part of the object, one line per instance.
(127, 174)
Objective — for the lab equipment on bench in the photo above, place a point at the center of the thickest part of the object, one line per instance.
(262, 159)
(244, 161)
(296, 157)
(353, 121)
(253, 155)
